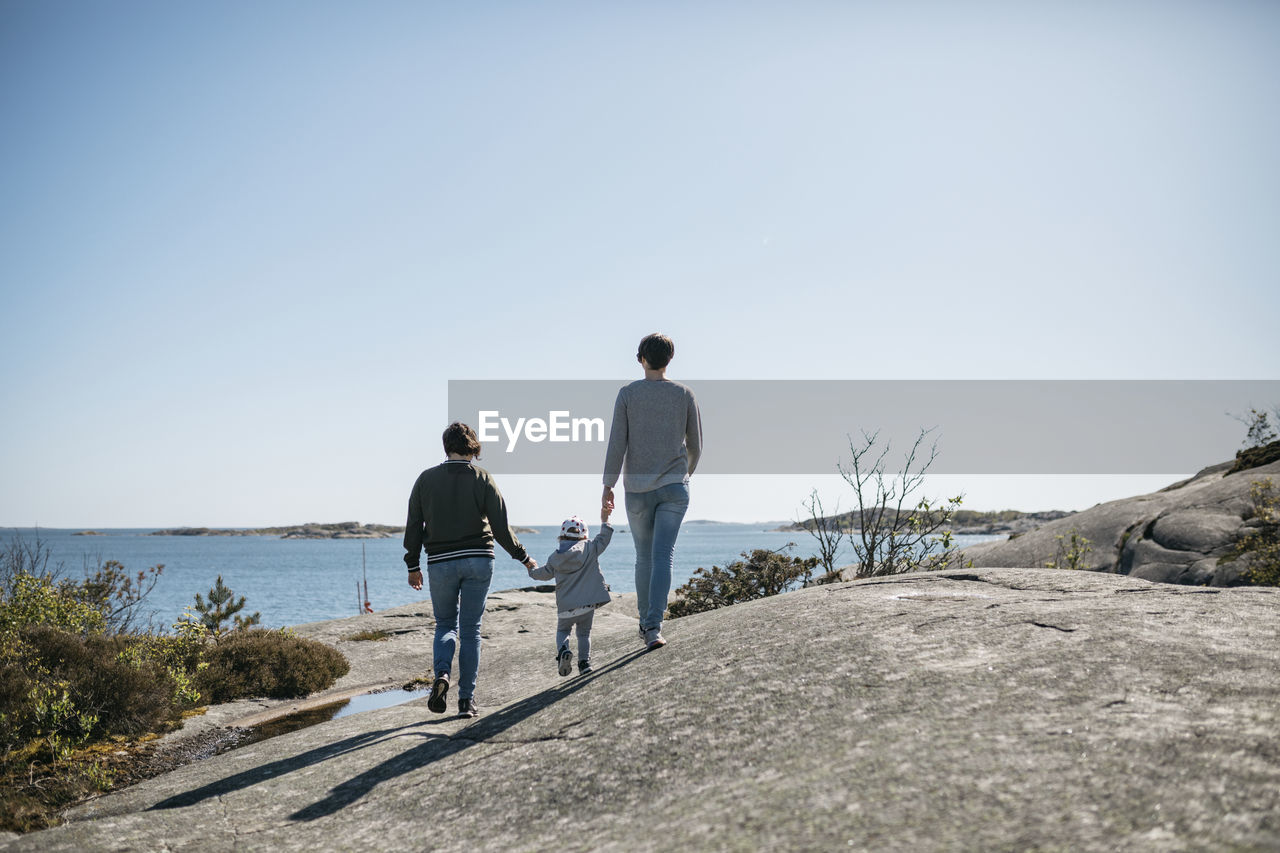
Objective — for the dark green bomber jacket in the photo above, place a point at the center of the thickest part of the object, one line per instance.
(456, 511)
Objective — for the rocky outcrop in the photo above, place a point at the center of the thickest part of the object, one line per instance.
(1176, 535)
(991, 709)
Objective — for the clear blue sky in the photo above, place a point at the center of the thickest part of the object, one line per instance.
(244, 245)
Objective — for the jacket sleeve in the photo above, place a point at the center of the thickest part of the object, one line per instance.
(542, 573)
(495, 509)
(414, 528)
(617, 441)
(693, 433)
(603, 538)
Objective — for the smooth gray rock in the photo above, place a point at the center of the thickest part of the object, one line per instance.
(985, 709)
(1176, 535)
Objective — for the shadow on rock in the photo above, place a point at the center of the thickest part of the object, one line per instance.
(277, 768)
(434, 748)
(438, 747)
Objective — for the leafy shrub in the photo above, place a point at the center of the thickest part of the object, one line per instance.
(123, 692)
(275, 664)
(1261, 544)
(36, 600)
(759, 574)
(1071, 551)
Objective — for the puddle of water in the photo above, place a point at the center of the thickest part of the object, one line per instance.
(373, 701)
(323, 714)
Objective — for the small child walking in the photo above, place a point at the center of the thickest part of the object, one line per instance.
(580, 587)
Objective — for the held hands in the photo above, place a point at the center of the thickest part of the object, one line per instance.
(606, 500)
(415, 579)
(530, 563)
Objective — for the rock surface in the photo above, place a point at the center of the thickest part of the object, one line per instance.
(1176, 535)
(979, 710)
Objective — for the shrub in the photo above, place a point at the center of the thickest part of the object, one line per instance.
(896, 530)
(275, 664)
(1261, 544)
(758, 575)
(1071, 551)
(124, 693)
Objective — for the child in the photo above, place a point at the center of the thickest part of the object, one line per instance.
(580, 587)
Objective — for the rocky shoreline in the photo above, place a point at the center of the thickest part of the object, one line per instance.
(965, 523)
(1030, 709)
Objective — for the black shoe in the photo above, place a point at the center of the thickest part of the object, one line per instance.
(564, 661)
(439, 690)
(467, 708)
(584, 666)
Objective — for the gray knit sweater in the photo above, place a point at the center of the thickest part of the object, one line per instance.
(656, 437)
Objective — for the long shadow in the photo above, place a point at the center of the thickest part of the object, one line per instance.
(439, 747)
(274, 769)
(435, 747)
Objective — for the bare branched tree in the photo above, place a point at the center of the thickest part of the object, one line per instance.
(1260, 426)
(897, 531)
(826, 531)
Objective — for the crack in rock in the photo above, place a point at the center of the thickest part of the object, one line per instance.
(1054, 627)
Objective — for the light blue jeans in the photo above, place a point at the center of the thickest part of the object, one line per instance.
(654, 518)
(458, 592)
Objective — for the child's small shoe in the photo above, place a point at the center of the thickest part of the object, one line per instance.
(584, 666)
(564, 660)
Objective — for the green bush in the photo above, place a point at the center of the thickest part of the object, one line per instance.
(275, 664)
(1071, 552)
(1261, 544)
(124, 693)
(759, 574)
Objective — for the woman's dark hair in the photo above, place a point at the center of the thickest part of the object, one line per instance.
(657, 350)
(461, 439)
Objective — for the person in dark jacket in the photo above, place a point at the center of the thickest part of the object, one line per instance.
(455, 513)
(580, 587)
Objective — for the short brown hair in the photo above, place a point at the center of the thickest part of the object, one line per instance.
(461, 439)
(657, 350)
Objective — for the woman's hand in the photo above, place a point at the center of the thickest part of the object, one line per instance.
(530, 563)
(606, 499)
(415, 578)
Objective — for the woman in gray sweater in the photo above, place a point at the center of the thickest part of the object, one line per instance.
(655, 443)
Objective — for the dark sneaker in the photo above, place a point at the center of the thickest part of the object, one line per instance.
(439, 690)
(584, 666)
(564, 660)
(467, 708)
(653, 638)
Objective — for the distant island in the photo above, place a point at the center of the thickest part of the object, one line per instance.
(340, 530)
(965, 522)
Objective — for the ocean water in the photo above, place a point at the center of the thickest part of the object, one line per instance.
(294, 581)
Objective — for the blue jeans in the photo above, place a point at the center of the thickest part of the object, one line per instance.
(458, 592)
(654, 518)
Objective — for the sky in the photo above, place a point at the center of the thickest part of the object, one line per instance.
(244, 246)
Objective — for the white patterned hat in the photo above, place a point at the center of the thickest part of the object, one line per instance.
(573, 528)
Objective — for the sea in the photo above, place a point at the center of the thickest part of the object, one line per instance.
(295, 581)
